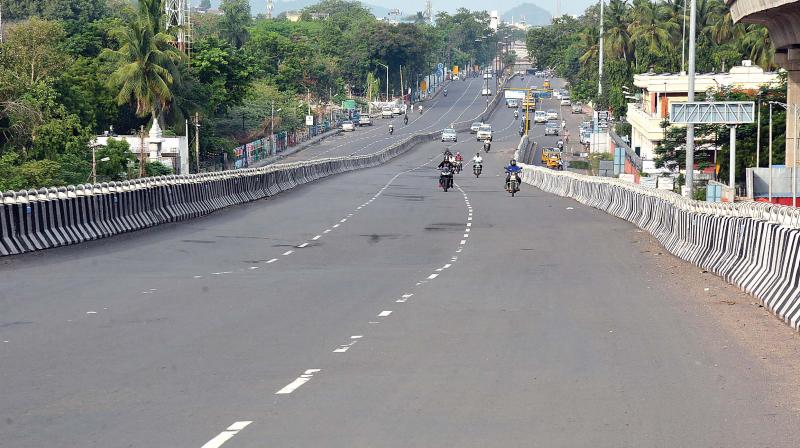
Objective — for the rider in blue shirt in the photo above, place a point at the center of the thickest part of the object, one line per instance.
(512, 168)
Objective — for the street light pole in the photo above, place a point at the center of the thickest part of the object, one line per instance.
(690, 127)
(770, 151)
(387, 79)
(600, 69)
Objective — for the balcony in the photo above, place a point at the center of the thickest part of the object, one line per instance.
(648, 125)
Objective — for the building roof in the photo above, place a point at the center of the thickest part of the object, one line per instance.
(745, 76)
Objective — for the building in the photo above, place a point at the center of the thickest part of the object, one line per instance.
(171, 151)
(494, 20)
(656, 92)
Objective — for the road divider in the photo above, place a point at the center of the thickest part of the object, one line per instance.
(754, 246)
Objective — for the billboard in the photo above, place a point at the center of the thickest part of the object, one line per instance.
(515, 94)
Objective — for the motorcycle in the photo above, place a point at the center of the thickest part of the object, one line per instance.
(487, 146)
(560, 144)
(405, 119)
(511, 185)
(516, 115)
(391, 129)
(459, 166)
(476, 169)
(445, 92)
(446, 179)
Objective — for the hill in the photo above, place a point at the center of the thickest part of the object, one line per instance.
(532, 14)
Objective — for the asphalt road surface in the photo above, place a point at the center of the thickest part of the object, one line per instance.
(371, 309)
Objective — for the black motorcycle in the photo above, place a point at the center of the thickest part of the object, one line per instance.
(476, 169)
(446, 179)
(487, 146)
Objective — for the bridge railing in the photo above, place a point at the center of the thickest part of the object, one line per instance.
(754, 246)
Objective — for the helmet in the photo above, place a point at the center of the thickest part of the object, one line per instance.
(513, 162)
(458, 153)
(478, 154)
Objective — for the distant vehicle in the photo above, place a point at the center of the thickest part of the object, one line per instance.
(386, 112)
(348, 126)
(547, 84)
(511, 102)
(529, 104)
(484, 133)
(396, 110)
(557, 94)
(456, 78)
(565, 101)
(365, 120)
(577, 108)
(449, 135)
(551, 128)
(487, 76)
(586, 137)
(475, 126)
(486, 92)
(552, 114)
(540, 116)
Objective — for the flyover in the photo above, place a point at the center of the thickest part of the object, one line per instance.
(782, 19)
(373, 309)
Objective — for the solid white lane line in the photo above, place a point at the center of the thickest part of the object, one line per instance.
(384, 313)
(272, 261)
(226, 435)
(303, 245)
(288, 252)
(316, 237)
(299, 381)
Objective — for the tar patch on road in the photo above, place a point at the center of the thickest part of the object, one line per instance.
(439, 226)
(375, 238)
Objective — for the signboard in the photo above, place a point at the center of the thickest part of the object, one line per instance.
(349, 104)
(717, 112)
(515, 94)
(440, 66)
(601, 119)
(309, 120)
(455, 69)
(423, 85)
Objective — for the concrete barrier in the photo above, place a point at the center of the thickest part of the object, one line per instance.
(755, 246)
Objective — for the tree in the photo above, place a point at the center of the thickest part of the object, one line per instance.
(119, 160)
(235, 21)
(31, 50)
(145, 68)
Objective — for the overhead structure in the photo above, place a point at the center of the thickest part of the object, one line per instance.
(269, 9)
(178, 15)
(429, 10)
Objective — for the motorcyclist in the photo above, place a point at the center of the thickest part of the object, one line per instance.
(405, 119)
(516, 114)
(446, 168)
(445, 92)
(391, 129)
(477, 160)
(487, 145)
(459, 158)
(512, 168)
(420, 108)
(448, 156)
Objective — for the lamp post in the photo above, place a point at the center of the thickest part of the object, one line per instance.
(272, 124)
(690, 127)
(387, 79)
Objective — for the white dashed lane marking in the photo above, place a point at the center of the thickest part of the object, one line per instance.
(299, 381)
(432, 276)
(226, 435)
(272, 261)
(303, 245)
(384, 313)
(288, 252)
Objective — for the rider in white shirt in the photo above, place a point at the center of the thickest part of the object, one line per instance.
(477, 160)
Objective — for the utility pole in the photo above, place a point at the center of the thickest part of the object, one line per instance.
(269, 9)
(142, 159)
(1, 22)
(690, 127)
(197, 141)
(94, 165)
(770, 151)
(758, 135)
(600, 69)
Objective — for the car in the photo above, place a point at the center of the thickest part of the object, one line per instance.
(348, 126)
(396, 110)
(565, 101)
(386, 112)
(551, 128)
(586, 137)
(365, 120)
(449, 135)
(484, 132)
(586, 126)
(511, 102)
(552, 114)
(540, 116)
(475, 126)
(486, 92)
(577, 108)
(557, 94)
(487, 76)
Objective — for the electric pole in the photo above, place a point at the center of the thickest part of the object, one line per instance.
(690, 127)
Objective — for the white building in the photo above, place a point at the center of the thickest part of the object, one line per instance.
(171, 151)
(657, 91)
(494, 20)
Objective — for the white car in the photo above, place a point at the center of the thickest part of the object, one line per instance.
(365, 120)
(475, 126)
(552, 114)
(557, 94)
(486, 92)
(565, 101)
(348, 126)
(386, 112)
(511, 102)
(485, 133)
(396, 110)
(449, 135)
(540, 116)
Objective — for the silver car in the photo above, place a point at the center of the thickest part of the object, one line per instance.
(475, 126)
(551, 128)
(449, 135)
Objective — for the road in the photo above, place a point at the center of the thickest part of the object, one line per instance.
(371, 309)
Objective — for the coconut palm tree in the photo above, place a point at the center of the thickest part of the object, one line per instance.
(758, 45)
(145, 68)
(650, 30)
(588, 42)
(617, 36)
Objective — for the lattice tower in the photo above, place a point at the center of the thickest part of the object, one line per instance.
(178, 14)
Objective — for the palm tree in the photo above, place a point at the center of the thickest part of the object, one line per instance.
(617, 36)
(145, 70)
(758, 45)
(588, 41)
(649, 29)
(723, 29)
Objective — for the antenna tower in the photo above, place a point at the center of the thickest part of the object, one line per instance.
(269, 9)
(178, 14)
(429, 10)
(558, 8)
